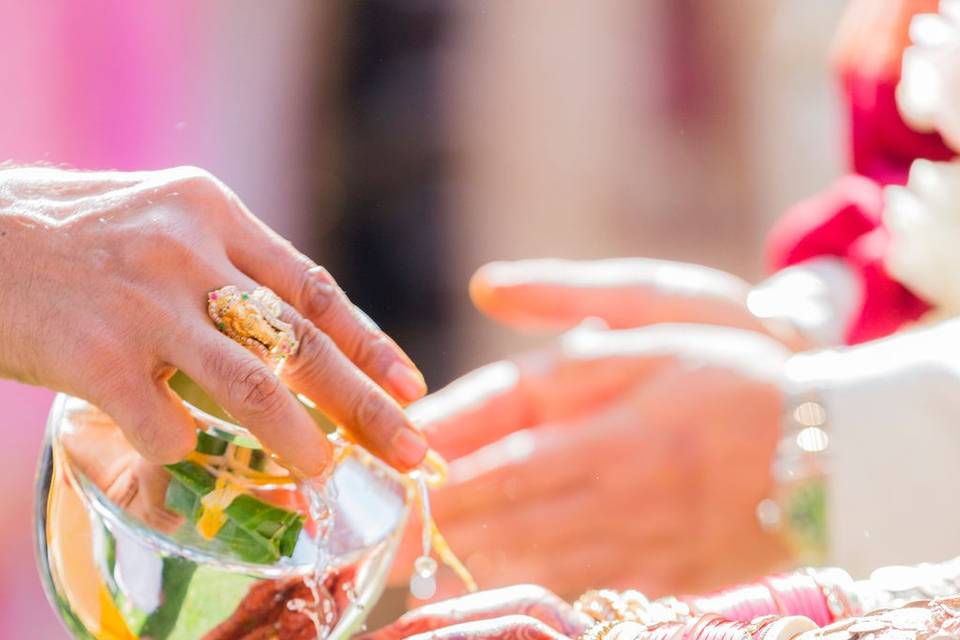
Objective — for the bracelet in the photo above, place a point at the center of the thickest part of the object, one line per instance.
(706, 627)
(895, 586)
(920, 620)
(822, 595)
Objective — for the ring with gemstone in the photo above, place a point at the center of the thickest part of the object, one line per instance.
(252, 319)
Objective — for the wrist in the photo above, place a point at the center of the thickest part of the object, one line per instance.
(888, 401)
(17, 268)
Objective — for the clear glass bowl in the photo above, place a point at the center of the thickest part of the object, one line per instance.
(117, 565)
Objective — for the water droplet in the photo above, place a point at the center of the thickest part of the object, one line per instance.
(425, 567)
(421, 587)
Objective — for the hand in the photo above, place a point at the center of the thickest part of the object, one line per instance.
(104, 280)
(136, 485)
(623, 293)
(623, 458)
(524, 612)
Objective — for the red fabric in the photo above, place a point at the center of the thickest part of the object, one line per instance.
(845, 220)
(882, 146)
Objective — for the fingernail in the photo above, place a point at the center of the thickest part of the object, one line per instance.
(405, 382)
(409, 446)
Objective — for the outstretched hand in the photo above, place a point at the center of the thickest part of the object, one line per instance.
(623, 457)
(105, 278)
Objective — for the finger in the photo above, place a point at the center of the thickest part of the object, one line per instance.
(566, 571)
(580, 510)
(478, 408)
(529, 600)
(150, 502)
(274, 262)
(511, 627)
(558, 294)
(324, 374)
(250, 391)
(629, 464)
(152, 418)
(586, 370)
(477, 482)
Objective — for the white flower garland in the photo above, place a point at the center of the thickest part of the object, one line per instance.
(929, 91)
(924, 223)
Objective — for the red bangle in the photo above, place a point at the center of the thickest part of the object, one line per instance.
(775, 595)
(696, 626)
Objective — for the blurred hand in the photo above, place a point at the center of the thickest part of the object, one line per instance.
(618, 458)
(624, 293)
(104, 280)
(524, 612)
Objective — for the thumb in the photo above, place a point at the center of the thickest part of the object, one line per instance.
(625, 293)
(153, 419)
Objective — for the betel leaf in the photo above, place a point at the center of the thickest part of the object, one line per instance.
(177, 575)
(255, 531)
(210, 445)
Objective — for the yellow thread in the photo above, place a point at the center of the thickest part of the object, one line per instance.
(434, 470)
(112, 624)
(449, 558)
(212, 517)
(341, 453)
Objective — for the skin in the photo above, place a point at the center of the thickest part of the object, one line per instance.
(528, 612)
(622, 457)
(104, 278)
(523, 611)
(531, 295)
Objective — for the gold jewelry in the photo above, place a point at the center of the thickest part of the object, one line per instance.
(599, 631)
(253, 320)
(603, 605)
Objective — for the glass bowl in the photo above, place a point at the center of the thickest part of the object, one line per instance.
(128, 549)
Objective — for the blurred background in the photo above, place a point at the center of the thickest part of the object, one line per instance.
(403, 143)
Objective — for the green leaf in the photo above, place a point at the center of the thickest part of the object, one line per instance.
(177, 575)
(210, 445)
(255, 531)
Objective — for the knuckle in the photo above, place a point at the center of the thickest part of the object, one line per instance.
(369, 350)
(192, 177)
(256, 391)
(196, 186)
(368, 409)
(162, 443)
(162, 239)
(314, 353)
(318, 291)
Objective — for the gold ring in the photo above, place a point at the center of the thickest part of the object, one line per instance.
(253, 320)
